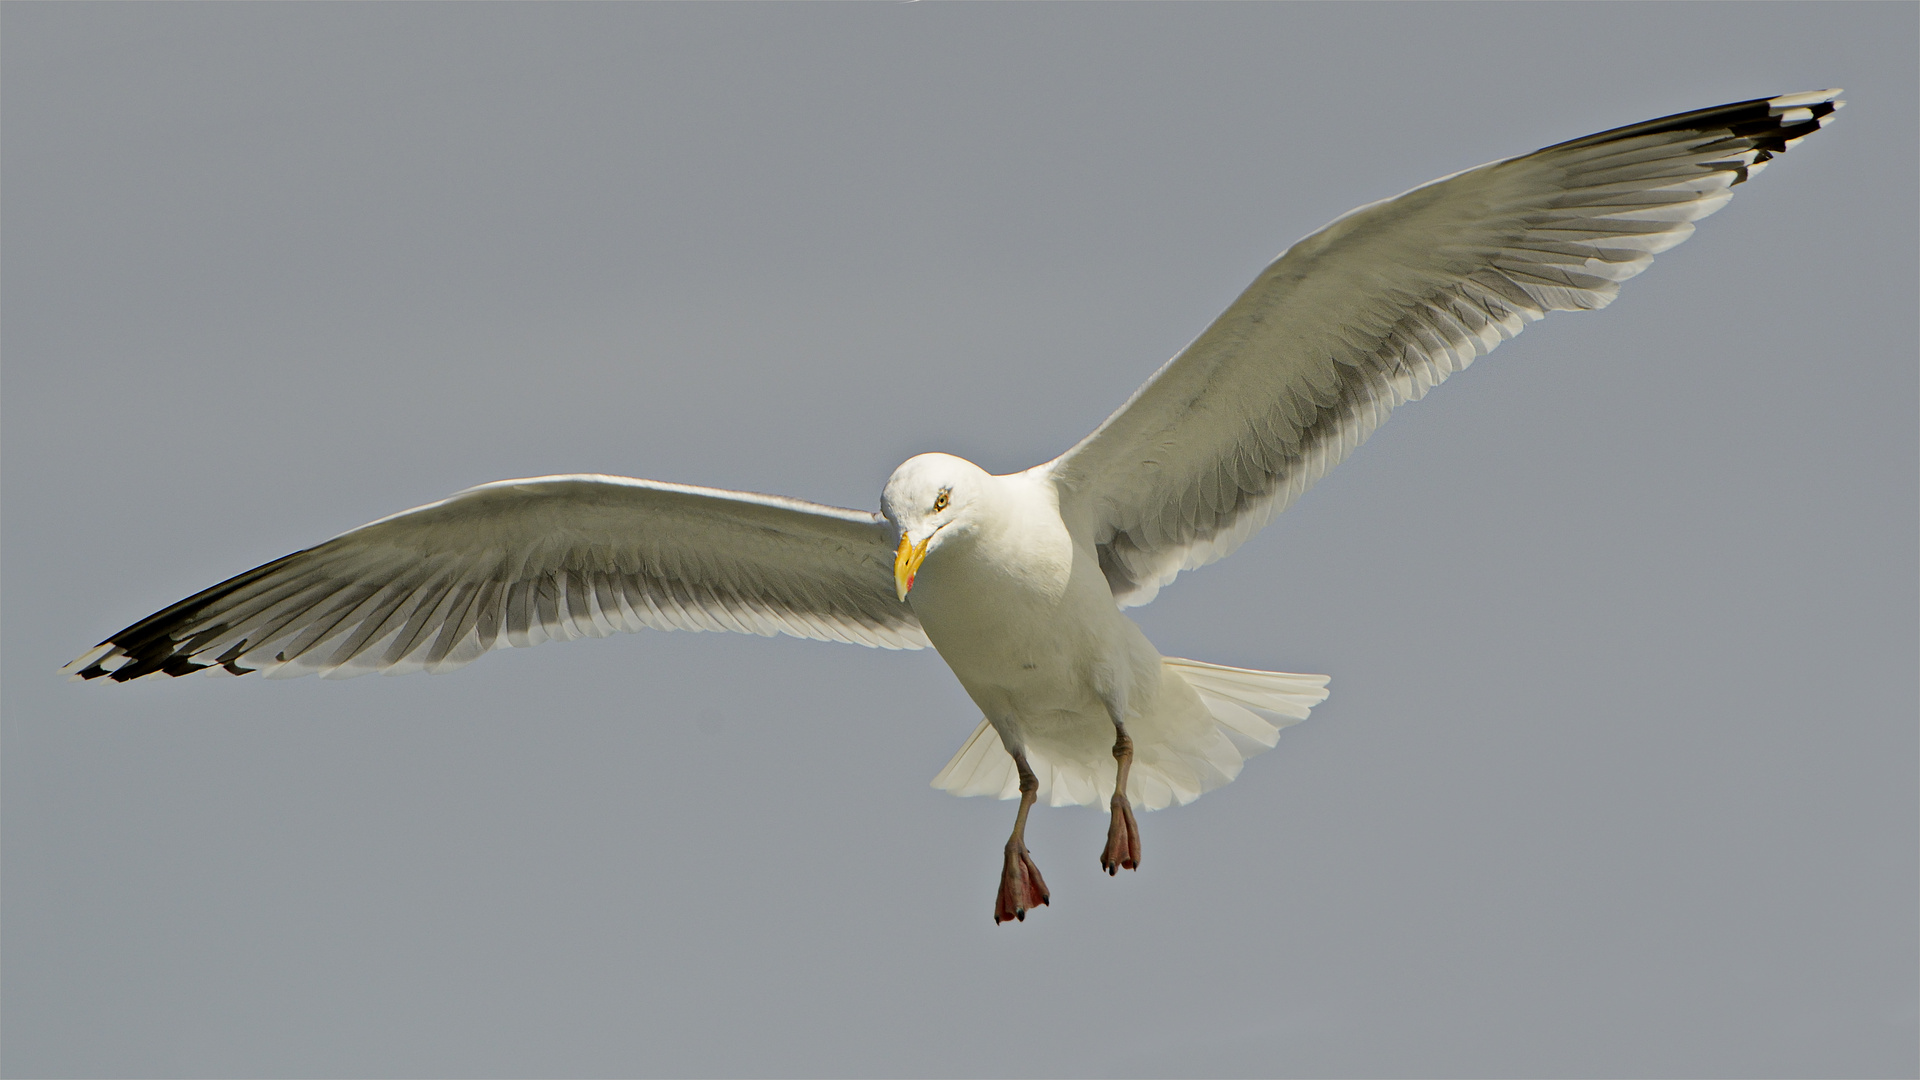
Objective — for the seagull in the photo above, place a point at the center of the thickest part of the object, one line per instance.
(1021, 581)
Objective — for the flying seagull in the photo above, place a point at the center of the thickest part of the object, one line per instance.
(1020, 580)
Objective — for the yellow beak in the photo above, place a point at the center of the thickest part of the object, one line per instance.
(906, 562)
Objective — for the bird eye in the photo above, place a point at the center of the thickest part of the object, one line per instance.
(940, 502)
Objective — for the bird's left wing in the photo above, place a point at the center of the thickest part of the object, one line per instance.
(520, 562)
(1377, 308)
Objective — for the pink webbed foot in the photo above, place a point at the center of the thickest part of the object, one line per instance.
(1021, 886)
(1123, 839)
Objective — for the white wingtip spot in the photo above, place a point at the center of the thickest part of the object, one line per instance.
(98, 654)
(1809, 97)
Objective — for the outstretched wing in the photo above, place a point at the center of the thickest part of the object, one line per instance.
(1379, 307)
(520, 562)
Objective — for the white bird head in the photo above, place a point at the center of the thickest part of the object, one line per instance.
(930, 499)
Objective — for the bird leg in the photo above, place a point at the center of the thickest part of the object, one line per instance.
(1021, 887)
(1123, 835)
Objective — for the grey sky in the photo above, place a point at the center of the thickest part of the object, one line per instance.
(1618, 776)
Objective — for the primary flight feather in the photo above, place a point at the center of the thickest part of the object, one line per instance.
(1019, 580)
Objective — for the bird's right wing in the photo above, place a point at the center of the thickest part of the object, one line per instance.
(1378, 307)
(520, 562)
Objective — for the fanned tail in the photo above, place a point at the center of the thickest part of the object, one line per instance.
(982, 767)
(1248, 708)
(1251, 705)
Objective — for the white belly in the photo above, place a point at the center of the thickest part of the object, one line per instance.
(1029, 626)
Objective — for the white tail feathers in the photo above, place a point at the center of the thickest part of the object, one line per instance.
(982, 767)
(1180, 752)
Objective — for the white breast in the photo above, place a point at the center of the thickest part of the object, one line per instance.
(1023, 619)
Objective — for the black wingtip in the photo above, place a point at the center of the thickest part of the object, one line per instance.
(1770, 123)
(165, 642)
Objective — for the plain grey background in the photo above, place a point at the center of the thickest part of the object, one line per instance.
(1618, 776)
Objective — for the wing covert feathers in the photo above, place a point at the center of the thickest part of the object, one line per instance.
(1381, 306)
(520, 562)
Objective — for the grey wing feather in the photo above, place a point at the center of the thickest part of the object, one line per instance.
(1380, 306)
(520, 562)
